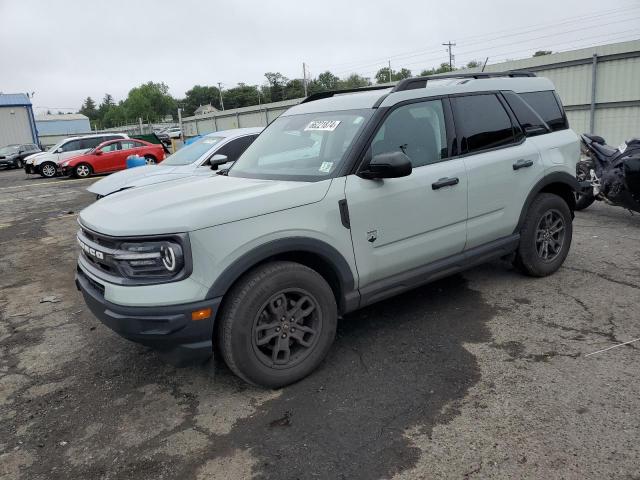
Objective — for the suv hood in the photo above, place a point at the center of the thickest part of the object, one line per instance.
(134, 177)
(194, 203)
(35, 156)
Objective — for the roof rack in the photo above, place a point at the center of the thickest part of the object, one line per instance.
(421, 82)
(331, 93)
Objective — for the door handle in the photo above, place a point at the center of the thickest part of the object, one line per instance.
(522, 163)
(445, 182)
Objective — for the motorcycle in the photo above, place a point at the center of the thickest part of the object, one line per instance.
(609, 174)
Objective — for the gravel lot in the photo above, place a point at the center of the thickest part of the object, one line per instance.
(479, 375)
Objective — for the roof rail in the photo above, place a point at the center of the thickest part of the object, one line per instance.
(421, 82)
(331, 93)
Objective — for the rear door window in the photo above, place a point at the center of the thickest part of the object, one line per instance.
(92, 142)
(483, 123)
(71, 146)
(547, 106)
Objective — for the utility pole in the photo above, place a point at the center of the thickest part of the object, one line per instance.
(451, 56)
(180, 123)
(304, 78)
(220, 92)
(389, 70)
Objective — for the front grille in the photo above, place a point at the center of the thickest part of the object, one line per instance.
(100, 254)
(98, 286)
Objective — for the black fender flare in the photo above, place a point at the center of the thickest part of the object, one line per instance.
(555, 177)
(350, 297)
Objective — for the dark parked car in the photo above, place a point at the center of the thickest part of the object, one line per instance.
(12, 156)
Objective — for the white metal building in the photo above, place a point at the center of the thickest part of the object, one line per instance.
(16, 120)
(599, 86)
(62, 124)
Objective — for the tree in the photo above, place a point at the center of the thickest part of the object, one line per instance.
(201, 95)
(354, 81)
(541, 53)
(443, 68)
(382, 76)
(276, 82)
(88, 109)
(150, 101)
(474, 64)
(241, 96)
(294, 89)
(327, 81)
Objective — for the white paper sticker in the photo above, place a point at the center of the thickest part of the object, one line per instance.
(326, 167)
(323, 125)
(623, 147)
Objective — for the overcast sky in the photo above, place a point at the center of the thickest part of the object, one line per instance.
(66, 50)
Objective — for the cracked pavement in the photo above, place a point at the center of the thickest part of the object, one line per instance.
(480, 375)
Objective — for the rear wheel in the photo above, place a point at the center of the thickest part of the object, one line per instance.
(278, 324)
(82, 170)
(150, 159)
(48, 169)
(583, 173)
(545, 236)
(19, 163)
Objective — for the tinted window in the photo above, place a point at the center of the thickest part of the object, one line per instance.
(418, 130)
(90, 142)
(236, 147)
(483, 122)
(71, 146)
(527, 116)
(547, 106)
(138, 144)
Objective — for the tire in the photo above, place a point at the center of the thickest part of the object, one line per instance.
(583, 173)
(19, 164)
(48, 170)
(255, 339)
(584, 201)
(548, 220)
(82, 170)
(150, 159)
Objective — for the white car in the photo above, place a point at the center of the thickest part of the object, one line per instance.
(46, 163)
(191, 160)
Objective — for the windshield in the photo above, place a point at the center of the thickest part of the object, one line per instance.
(192, 152)
(8, 149)
(308, 147)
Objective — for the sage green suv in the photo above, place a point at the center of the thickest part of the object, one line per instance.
(346, 199)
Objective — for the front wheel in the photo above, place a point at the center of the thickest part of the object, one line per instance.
(19, 164)
(48, 169)
(278, 324)
(545, 236)
(82, 170)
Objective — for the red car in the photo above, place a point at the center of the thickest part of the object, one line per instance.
(111, 156)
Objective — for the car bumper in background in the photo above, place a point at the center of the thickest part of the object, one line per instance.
(168, 329)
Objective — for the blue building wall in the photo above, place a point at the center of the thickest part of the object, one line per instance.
(63, 127)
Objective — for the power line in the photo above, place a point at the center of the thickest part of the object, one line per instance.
(595, 16)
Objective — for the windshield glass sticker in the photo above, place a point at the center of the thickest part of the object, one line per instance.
(623, 147)
(323, 125)
(326, 166)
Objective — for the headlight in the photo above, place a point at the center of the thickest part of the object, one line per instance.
(65, 164)
(149, 260)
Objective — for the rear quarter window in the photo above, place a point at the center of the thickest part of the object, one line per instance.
(548, 107)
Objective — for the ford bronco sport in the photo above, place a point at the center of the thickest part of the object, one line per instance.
(346, 199)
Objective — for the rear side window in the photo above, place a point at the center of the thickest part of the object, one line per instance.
(236, 147)
(483, 122)
(530, 121)
(547, 106)
(90, 142)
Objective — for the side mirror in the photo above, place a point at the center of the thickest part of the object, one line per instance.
(218, 160)
(387, 165)
(98, 152)
(59, 150)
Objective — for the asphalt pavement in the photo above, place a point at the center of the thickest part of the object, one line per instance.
(487, 374)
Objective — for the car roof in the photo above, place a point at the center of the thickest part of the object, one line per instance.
(385, 97)
(80, 137)
(235, 132)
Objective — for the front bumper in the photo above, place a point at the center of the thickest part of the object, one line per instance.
(168, 329)
(30, 168)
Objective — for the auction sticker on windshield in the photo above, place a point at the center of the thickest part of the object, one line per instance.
(323, 125)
